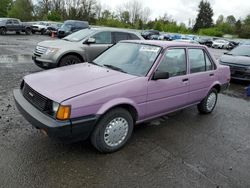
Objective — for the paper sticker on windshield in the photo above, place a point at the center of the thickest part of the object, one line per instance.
(149, 49)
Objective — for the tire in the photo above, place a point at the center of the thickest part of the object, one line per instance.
(208, 104)
(18, 32)
(69, 60)
(3, 31)
(42, 32)
(28, 31)
(117, 120)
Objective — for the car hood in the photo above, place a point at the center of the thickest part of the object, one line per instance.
(59, 43)
(66, 82)
(240, 60)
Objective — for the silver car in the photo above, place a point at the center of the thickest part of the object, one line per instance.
(82, 46)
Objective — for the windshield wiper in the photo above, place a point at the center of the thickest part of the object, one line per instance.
(92, 62)
(114, 68)
(66, 39)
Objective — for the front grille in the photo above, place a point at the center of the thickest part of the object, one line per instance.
(236, 68)
(40, 51)
(39, 101)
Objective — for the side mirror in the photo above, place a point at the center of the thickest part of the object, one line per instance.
(160, 75)
(90, 41)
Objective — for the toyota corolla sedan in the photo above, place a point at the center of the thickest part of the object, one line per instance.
(132, 82)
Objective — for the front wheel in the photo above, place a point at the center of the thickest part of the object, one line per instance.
(3, 31)
(69, 60)
(113, 131)
(208, 104)
(28, 31)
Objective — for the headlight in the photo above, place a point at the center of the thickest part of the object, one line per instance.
(55, 107)
(51, 51)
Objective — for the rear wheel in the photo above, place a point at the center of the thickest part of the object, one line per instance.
(69, 60)
(42, 31)
(113, 130)
(3, 31)
(208, 104)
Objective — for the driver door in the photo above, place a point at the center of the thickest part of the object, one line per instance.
(165, 95)
(103, 41)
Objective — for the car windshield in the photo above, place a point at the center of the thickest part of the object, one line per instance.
(243, 50)
(79, 35)
(132, 58)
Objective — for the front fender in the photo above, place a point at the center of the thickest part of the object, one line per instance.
(116, 102)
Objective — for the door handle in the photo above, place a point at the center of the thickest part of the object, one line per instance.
(185, 79)
(212, 74)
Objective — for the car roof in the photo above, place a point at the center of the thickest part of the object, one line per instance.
(114, 29)
(164, 44)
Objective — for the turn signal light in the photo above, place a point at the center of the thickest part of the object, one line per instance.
(63, 112)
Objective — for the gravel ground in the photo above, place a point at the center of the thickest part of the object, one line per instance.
(184, 149)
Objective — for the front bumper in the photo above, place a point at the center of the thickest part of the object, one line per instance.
(72, 129)
(43, 63)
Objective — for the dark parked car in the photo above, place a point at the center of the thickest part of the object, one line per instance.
(130, 83)
(232, 44)
(54, 27)
(206, 41)
(71, 26)
(12, 24)
(238, 60)
(148, 33)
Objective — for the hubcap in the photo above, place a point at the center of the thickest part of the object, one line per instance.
(211, 100)
(116, 131)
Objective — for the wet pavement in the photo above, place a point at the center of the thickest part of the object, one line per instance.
(184, 149)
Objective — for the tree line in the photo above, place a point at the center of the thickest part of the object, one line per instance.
(132, 14)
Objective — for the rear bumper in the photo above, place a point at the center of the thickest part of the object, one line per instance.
(70, 129)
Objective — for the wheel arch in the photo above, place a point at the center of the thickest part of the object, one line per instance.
(70, 53)
(126, 104)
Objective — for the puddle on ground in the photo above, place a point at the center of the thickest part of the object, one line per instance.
(15, 58)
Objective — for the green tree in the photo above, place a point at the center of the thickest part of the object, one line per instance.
(220, 20)
(204, 17)
(5, 7)
(231, 20)
(22, 9)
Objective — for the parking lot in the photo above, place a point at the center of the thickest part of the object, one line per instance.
(184, 149)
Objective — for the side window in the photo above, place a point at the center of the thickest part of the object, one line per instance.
(15, 22)
(209, 64)
(174, 62)
(199, 61)
(118, 36)
(103, 37)
(133, 37)
(196, 60)
(9, 22)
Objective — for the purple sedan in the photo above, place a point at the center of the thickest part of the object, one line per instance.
(132, 82)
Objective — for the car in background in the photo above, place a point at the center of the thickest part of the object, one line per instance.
(81, 46)
(40, 27)
(130, 83)
(187, 41)
(220, 43)
(154, 37)
(166, 37)
(231, 45)
(238, 60)
(71, 26)
(148, 33)
(54, 27)
(13, 24)
(206, 41)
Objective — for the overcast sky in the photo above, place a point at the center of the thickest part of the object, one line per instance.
(182, 10)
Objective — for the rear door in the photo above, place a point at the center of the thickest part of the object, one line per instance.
(103, 41)
(202, 74)
(16, 25)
